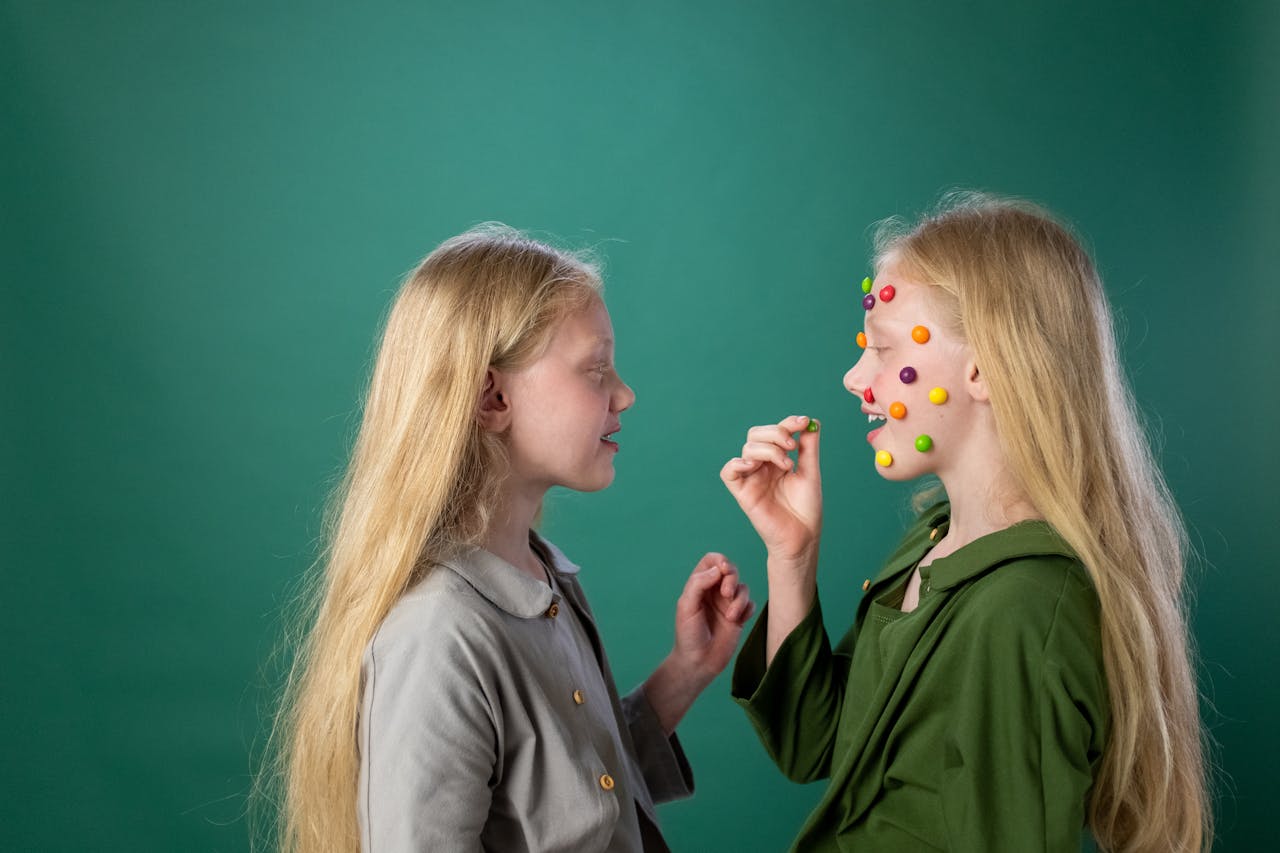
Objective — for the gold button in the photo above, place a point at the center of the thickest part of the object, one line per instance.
(606, 782)
(866, 584)
(933, 534)
(578, 698)
(553, 611)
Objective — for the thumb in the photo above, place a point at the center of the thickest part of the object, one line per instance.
(807, 450)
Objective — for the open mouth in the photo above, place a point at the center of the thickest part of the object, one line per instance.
(608, 438)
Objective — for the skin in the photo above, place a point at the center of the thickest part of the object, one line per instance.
(783, 500)
(554, 416)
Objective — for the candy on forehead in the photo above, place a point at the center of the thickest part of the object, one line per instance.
(897, 410)
(938, 396)
(887, 293)
(907, 375)
(884, 458)
(866, 284)
(924, 443)
(862, 339)
(868, 302)
(920, 335)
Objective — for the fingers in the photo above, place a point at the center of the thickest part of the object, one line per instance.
(739, 607)
(807, 456)
(738, 468)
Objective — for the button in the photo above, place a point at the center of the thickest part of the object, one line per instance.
(578, 698)
(606, 782)
(866, 584)
(553, 611)
(933, 534)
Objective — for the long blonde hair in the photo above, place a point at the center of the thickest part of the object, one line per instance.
(1026, 296)
(421, 482)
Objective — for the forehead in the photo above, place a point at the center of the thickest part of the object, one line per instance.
(586, 328)
(911, 304)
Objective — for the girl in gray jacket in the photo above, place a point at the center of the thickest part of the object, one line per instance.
(452, 692)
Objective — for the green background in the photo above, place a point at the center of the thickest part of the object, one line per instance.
(207, 208)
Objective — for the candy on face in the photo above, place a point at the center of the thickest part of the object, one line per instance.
(938, 396)
(887, 293)
(866, 284)
(924, 443)
(868, 396)
(884, 458)
(862, 339)
(907, 375)
(868, 302)
(920, 335)
(812, 427)
(897, 410)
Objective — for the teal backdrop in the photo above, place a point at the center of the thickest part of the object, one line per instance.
(208, 206)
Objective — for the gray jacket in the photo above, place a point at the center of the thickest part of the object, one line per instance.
(490, 721)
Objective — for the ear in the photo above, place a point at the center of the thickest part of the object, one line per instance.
(975, 384)
(494, 411)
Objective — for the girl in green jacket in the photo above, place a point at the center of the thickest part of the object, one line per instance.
(1018, 674)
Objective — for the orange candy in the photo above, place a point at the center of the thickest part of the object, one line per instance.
(920, 335)
(897, 410)
(862, 339)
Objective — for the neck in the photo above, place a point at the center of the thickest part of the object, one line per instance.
(985, 497)
(508, 535)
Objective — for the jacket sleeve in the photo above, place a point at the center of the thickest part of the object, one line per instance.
(1027, 734)
(428, 746)
(794, 704)
(662, 760)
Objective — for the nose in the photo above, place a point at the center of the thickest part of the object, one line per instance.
(624, 397)
(853, 381)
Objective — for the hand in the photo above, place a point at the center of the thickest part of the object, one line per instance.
(710, 614)
(783, 505)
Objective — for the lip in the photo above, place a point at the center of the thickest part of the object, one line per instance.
(612, 445)
(871, 436)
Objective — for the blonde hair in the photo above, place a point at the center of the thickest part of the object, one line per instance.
(422, 481)
(1026, 296)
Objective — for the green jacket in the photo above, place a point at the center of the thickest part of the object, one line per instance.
(974, 723)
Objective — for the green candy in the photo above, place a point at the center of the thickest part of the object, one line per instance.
(866, 284)
(812, 427)
(924, 443)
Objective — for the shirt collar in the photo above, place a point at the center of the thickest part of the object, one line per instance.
(1032, 538)
(506, 586)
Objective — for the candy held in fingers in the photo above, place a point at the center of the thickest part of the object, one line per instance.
(897, 410)
(924, 443)
(812, 427)
(866, 284)
(884, 458)
(868, 302)
(920, 335)
(907, 375)
(938, 396)
(862, 339)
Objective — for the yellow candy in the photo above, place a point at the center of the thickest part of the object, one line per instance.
(938, 396)
(884, 458)
(862, 339)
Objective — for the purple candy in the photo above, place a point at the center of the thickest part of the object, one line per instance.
(868, 302)
(907, 375)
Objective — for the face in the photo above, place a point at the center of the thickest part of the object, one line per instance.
(565, 407)
(908, 356)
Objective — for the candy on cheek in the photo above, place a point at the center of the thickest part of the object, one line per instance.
(920, 334)
(897, 410)
(938, 396)
(924, 443)
(907, 375)
(884, 458)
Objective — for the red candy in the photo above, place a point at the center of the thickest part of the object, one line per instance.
(887, 293)
(868, 396)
